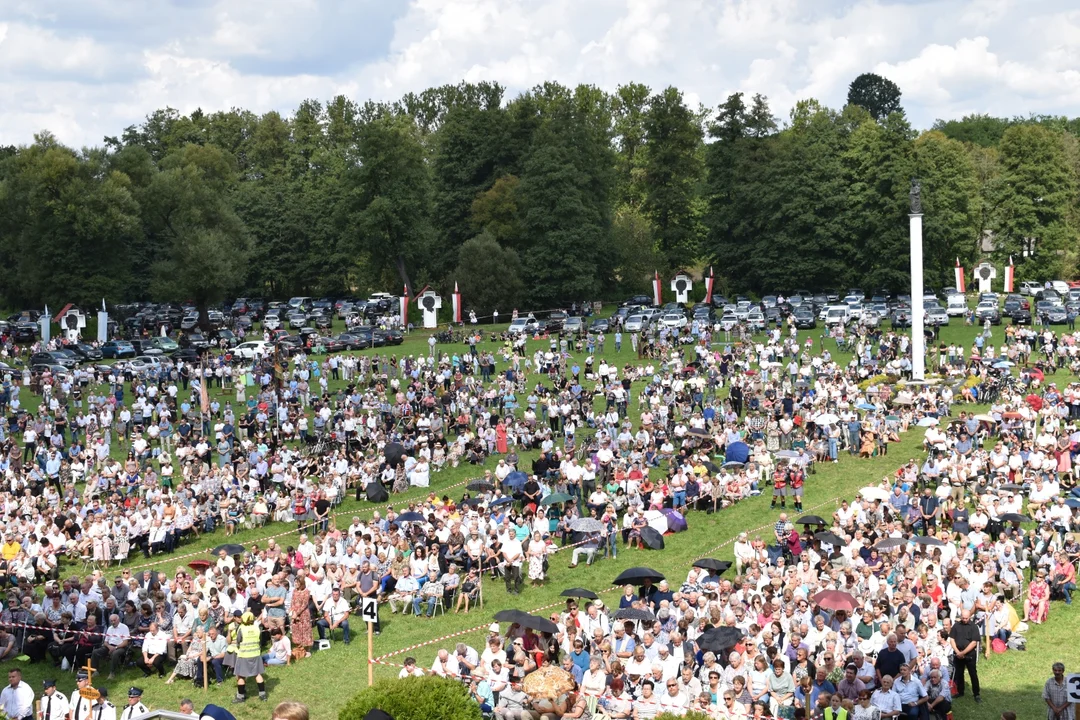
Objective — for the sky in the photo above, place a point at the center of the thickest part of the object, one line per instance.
(85, 69)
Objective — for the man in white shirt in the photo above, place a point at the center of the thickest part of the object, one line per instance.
(513, 555)
(335, 614)
(673, 700)
(115, 647)
(445, 665)
(885, 699)
(410, 669)
(17, 699)
(154, 648)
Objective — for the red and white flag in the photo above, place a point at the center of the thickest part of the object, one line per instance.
(1010, 276)
(959, 270)
(404, 306)
(709, 280)
(456, 298)
(657, 290)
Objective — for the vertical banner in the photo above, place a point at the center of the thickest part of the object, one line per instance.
(1010, 276)
(657, 290)
(102, 323)
(456, 299)
(710, 280)
(45, 325)
(403, 302)
(959, 271)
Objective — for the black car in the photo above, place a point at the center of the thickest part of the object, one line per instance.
(556, 320)
(25, 333)
(196, 340)
(188, 355)
(85, 352)
(389, 337)
(805, 318)
(323, 319)
(231, 339)
(1021, 316)
(53, 357)
(599, 325)
(901, 317)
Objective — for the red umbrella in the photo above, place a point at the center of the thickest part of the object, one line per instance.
(836, 600)
(1034, 401)
(1012, 416)
(199, 564)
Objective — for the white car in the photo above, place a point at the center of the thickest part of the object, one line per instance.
(254, 349)
(673, 320)
(956, 305)
(145, 362)
(728, 322)
(1029, 288)
(1061, 286)
(635, 323)
(522, 325)
(272, 320)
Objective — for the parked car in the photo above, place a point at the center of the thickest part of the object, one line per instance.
(390, 336)
(1054, 313)
(673, 320)
(936, 316)
(118, 349)
(26, 332)
(525, 325)
(253, 349)
(988, 310)
(85, 352)
(599, 325)
(164, 344)
(804, 318)
(52, 357)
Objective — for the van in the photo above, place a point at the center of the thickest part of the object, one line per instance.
(300, 303)
(956, 305)
(836, 314)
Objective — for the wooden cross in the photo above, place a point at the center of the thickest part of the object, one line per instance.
(89, 673)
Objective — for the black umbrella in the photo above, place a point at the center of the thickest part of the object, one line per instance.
(889, 543)
(1011, 486)
(502, 501)
(229, 548)
(511, 616)
(393, 453)
(717, 640)
(1015, 517)
(410, 517)
(637, 576)
(579, 593)
(471, 502)
(831, 538)
(698, 432)
(710, 466)
(376, 493)
(630, 613)
(480, 486)
(539, 624)
(810, 520)
(928, 541)
(652, 539)
(716, 566)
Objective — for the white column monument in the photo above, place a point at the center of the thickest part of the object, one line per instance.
(918, 339)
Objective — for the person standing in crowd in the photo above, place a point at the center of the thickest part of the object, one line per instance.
(17, 698)
(1056, 695)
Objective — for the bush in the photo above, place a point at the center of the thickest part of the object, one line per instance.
(691, 715)
(414, 698)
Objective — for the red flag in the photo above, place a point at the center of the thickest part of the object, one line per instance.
(657, 290)
(959, 271)
(404, 307)
(456, 298)
(1010, 276)
(709, 281)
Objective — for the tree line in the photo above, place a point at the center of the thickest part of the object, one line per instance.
(558, 194)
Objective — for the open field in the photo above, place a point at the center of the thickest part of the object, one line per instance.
(328, 679)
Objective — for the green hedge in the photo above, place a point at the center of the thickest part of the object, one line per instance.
(415, 698)
(691, 715)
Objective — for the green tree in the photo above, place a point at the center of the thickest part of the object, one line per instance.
(634, 249)
(67, 225)
(496, 211)
(672, 170)
(878, 168)
(387, 208)
(488, 275)
(188, 211)
(951, 205)
(630, 104)
(880, 96)
(414, 698)
(1036, 196)
(982, 130)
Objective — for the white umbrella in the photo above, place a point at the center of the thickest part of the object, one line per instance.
(874, 493)
(986, 418)
(656, 520)
(826, 419)
(928, 422)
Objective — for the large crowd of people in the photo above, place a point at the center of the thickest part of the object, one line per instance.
(557, 440)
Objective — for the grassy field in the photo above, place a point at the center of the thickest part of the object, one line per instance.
(327, 680)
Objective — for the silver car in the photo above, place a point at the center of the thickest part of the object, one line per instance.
(728, 322)
(636, 323)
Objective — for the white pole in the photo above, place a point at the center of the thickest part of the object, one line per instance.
(918, 339)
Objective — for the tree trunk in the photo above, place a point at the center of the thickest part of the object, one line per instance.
(399, 262)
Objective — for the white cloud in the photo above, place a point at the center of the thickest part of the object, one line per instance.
(87, 68)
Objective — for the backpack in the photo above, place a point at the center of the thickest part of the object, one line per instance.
(997, 645)
(1017, 642)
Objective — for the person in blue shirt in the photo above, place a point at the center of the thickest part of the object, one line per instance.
(579, 656)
